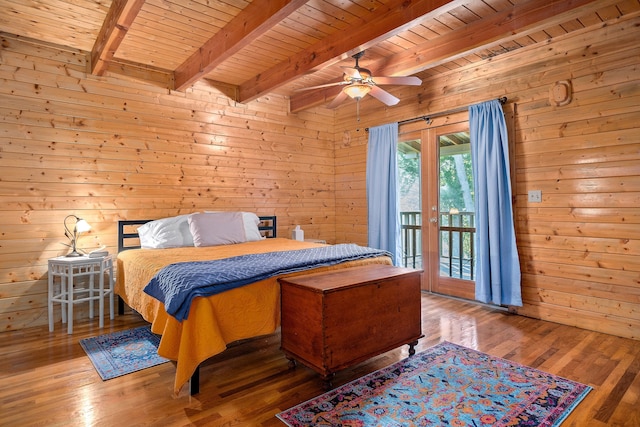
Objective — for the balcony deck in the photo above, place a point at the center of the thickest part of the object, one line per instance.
(457, 250)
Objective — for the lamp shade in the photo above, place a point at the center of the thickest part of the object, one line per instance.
(357, 90)
(82, 226)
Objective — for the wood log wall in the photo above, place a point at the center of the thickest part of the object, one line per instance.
(580, 247)
(109, 149)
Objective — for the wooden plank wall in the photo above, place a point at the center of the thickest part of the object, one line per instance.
(108, 148)
(580, 247)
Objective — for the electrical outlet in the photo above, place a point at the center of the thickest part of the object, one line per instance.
(535, 196)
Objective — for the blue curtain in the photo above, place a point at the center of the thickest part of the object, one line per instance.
(382, 190)
(498, 266)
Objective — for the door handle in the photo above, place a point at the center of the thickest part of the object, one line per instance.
(434, 220)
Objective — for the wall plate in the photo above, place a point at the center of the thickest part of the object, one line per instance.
(535, 196)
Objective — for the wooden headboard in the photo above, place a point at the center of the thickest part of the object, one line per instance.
(128, 231)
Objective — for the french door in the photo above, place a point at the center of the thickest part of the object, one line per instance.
(448, 211)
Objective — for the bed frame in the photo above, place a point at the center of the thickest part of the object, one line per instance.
(128, 231)
(128, 238)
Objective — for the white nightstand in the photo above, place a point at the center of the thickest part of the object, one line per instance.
(69, 269)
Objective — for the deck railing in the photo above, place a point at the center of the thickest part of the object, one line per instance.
(457, 251)
(411, 229)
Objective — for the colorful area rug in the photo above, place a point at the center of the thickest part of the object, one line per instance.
(123, 352)
(446, 385)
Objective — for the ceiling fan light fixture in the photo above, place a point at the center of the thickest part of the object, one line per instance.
(357, 90)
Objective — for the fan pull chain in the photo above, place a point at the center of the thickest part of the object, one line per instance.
(358, 109)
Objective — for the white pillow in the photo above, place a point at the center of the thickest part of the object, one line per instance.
(251, 223)
(172, 232)
(217, 228)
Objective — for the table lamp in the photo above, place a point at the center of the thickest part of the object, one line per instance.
(80, 226)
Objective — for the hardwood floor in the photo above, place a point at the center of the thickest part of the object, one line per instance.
(47, 380)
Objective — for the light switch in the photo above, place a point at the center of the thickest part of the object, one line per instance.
(535, 196)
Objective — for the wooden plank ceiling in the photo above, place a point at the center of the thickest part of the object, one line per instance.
(249, 49)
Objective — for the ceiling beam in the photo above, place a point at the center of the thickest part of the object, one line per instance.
(115, 26)
(397, 16)
(147, 73)
(521, 19)
(252, 22)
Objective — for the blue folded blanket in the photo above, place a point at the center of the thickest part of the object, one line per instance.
(177, 284)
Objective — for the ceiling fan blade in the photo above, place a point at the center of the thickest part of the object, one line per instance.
(403, 81)
(352, 73)
(338, 100)
(383, 95)
(322, 86)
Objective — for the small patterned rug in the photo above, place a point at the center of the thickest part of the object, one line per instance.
(446, 385)
(123, 352)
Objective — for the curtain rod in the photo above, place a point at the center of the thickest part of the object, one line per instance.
(428, 118)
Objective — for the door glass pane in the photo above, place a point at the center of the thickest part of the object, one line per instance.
(456, 201)
(410, 202)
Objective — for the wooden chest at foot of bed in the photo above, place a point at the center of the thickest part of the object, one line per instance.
(338, 318)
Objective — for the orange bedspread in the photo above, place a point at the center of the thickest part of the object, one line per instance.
(249, 311)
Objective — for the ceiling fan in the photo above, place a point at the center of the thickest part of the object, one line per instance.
(358, 82)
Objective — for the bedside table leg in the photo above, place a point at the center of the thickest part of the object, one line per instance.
(92, 285)
(63, 297)
(50, 302)
(70, 296)
(101, 296)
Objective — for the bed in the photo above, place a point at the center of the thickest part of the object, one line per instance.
(213, 321)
